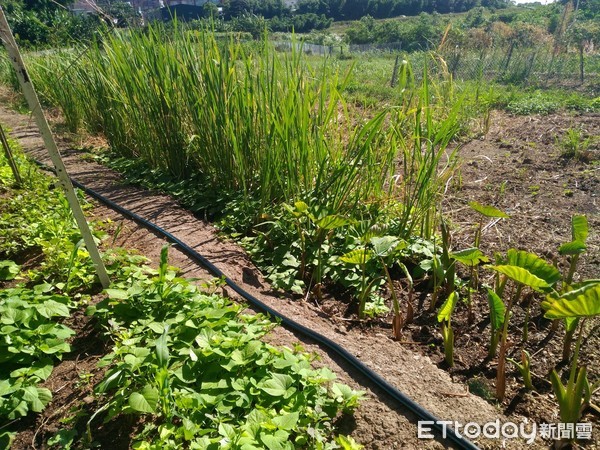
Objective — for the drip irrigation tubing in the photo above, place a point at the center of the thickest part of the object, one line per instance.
(395, 394)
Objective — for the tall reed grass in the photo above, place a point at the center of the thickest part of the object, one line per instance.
(264, 125)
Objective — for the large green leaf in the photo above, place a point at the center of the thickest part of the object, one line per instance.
(279, 385)
(36, 397)
(332, 222)
(117, 294)
(287, 421)
(497, 310)
(488, 211)
(301, 206)
(572, 248)
(52, 346)
(470, 256)
(145, 401)
(448, 307)
(578, 303)
(579, 228)
(383, 246)
(40, 369)
(8, 270)
(277, 441)
(534, 264)
(522, 276)
(52, 308)
(357, 256)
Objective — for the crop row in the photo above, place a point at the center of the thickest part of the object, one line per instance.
(184, 360)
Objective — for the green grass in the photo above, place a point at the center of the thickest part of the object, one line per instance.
(540, 101)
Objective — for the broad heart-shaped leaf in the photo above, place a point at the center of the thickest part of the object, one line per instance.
(383, 246)
(572, 248)
(8, 270)
(470, 256)
(51, 308)
(277, 441)
(37, 398)
(40, 369)
(448, 307)
(117, 294)
(488, 211)
(534, 264)
(52, 346)
(145, 401)
(287, 421)
(579, 228)
(578, 303)
(279, 385)
(332, 222)
(522, 276)
(357, 256)
(301, 206)
(497, 310)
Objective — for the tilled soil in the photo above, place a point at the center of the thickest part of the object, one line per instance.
(411, 366)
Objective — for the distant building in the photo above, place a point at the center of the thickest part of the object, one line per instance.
(185, 9)
(84, 7)
(173, 3)
(94, 6)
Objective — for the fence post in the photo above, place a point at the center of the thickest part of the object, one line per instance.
(61, 172)
(395, 72)
(581, 63)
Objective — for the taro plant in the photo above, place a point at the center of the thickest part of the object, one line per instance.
(443, 268)
(472, 258)
(485, 211)
(580, 302)
(475, 256)
(524, 367)
(383, 250)
(314, 228)
(497, 316)
(526, 270)
(444, 318)
(577, 246)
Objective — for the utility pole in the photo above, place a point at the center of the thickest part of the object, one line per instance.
(61, 172)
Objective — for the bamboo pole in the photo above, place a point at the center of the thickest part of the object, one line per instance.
(61, 172)
(10, 159)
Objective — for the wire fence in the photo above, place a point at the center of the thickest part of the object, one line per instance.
(365, 48)
(509, 64)
(306, 47)
(540, 65)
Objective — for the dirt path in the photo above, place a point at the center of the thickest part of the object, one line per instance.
(378, 424)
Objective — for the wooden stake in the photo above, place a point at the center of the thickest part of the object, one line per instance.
(61, 172)
(10, 159)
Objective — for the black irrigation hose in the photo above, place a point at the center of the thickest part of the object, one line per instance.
(375, 378)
